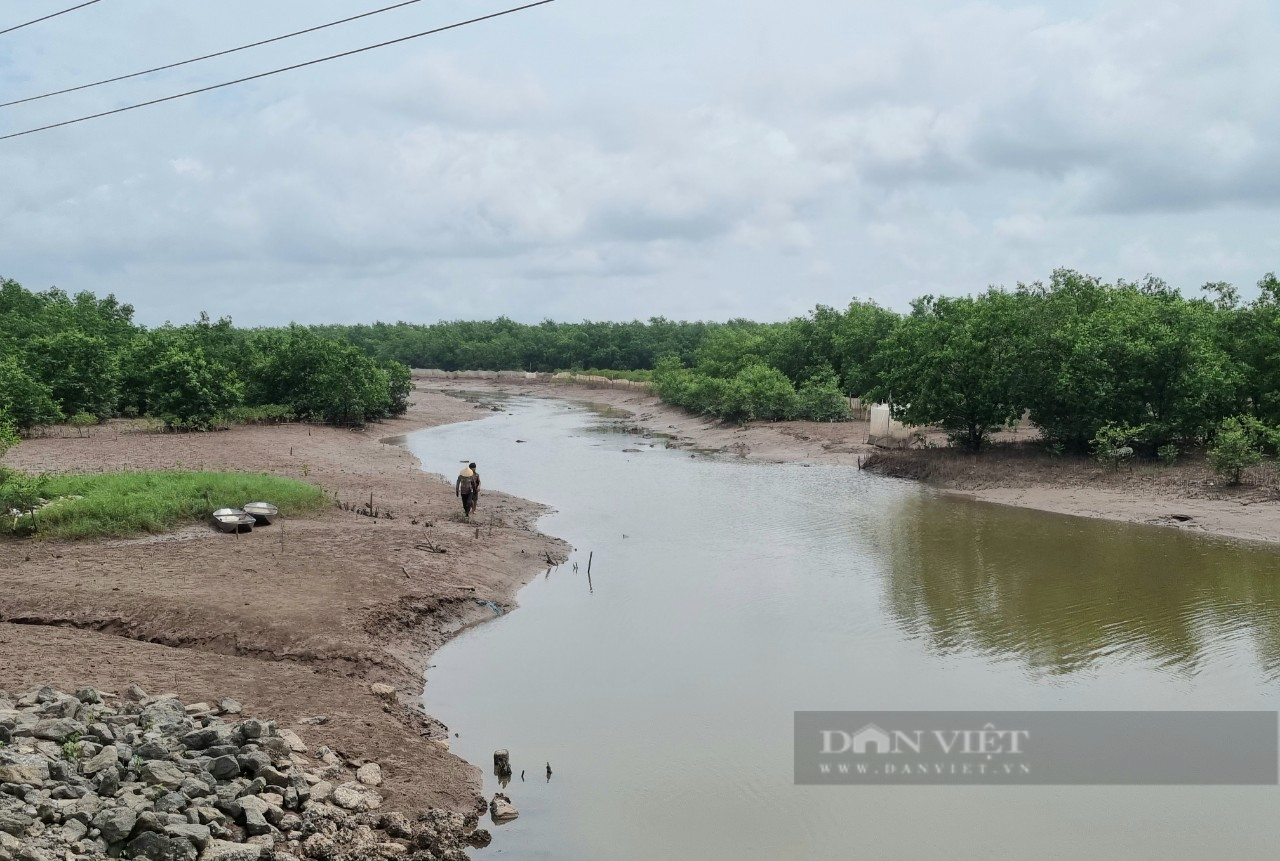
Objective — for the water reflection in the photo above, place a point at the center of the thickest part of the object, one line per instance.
(1064, 594)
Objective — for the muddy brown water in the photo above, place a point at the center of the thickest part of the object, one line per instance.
(726, 595)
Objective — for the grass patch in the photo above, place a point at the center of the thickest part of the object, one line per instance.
(117, 505)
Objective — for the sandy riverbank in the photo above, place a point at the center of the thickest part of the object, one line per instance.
(1186, 497)
(294, 622)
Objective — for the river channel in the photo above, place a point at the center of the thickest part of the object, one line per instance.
(726, 595)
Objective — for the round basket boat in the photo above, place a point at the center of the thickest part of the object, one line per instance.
(232, 520)
(263, 512)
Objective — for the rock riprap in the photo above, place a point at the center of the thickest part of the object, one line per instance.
(91, 775)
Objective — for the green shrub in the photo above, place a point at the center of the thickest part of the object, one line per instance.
(267, 414)
(8, 434)
(19, 492)
(767, 393)
(82, 421)
(188, 392)
(821, 400)
(26, 402)
(1238, 445)
(1168, 454)
(1113, 443)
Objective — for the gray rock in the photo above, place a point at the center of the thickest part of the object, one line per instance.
(163, 711)
(23, 768)
(230, 807)
(104, 758)
(501, 809)
(171, 802)
(356, 797)
(102, 732)
(253, 787)
(200, 739)
(88, 695)
(222, 850)
(194, 788)
(134, 801)
(85, 809)
(149, 820)
(31, 853)
(322, 791)
(158, 847)
(251, 729)
(115, 823)
(224, 768)
(107, 782)
(252, 761)
(230, 707)
(277, 747)
(153, 749)
(161, 773)
(57, 729)
(255, 815)
(73, 830)
(196, 834)
(273, 777)
(291, 738)
(15, 823)
(370, 774)
(396, 824)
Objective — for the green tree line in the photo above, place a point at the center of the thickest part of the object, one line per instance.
(1120, 366)
(1135, 364)
(81, 359)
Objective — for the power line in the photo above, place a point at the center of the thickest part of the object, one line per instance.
(208, 56)
(278, 71)
(47, 17)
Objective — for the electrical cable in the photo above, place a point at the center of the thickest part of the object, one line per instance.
(168, 66)
(212, 87)
(47, 17)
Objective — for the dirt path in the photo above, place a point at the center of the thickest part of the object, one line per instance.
(1185, 497)
(295, 621)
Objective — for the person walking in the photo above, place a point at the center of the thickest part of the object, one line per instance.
(468, 488)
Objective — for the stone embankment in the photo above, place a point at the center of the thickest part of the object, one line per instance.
(92, 775)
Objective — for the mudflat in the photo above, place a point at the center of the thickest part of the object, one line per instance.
(296, 620)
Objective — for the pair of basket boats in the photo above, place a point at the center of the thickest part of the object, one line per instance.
(244, 519)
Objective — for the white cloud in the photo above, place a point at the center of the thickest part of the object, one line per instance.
(709, 160)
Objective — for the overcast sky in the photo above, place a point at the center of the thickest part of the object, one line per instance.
(606, 160)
